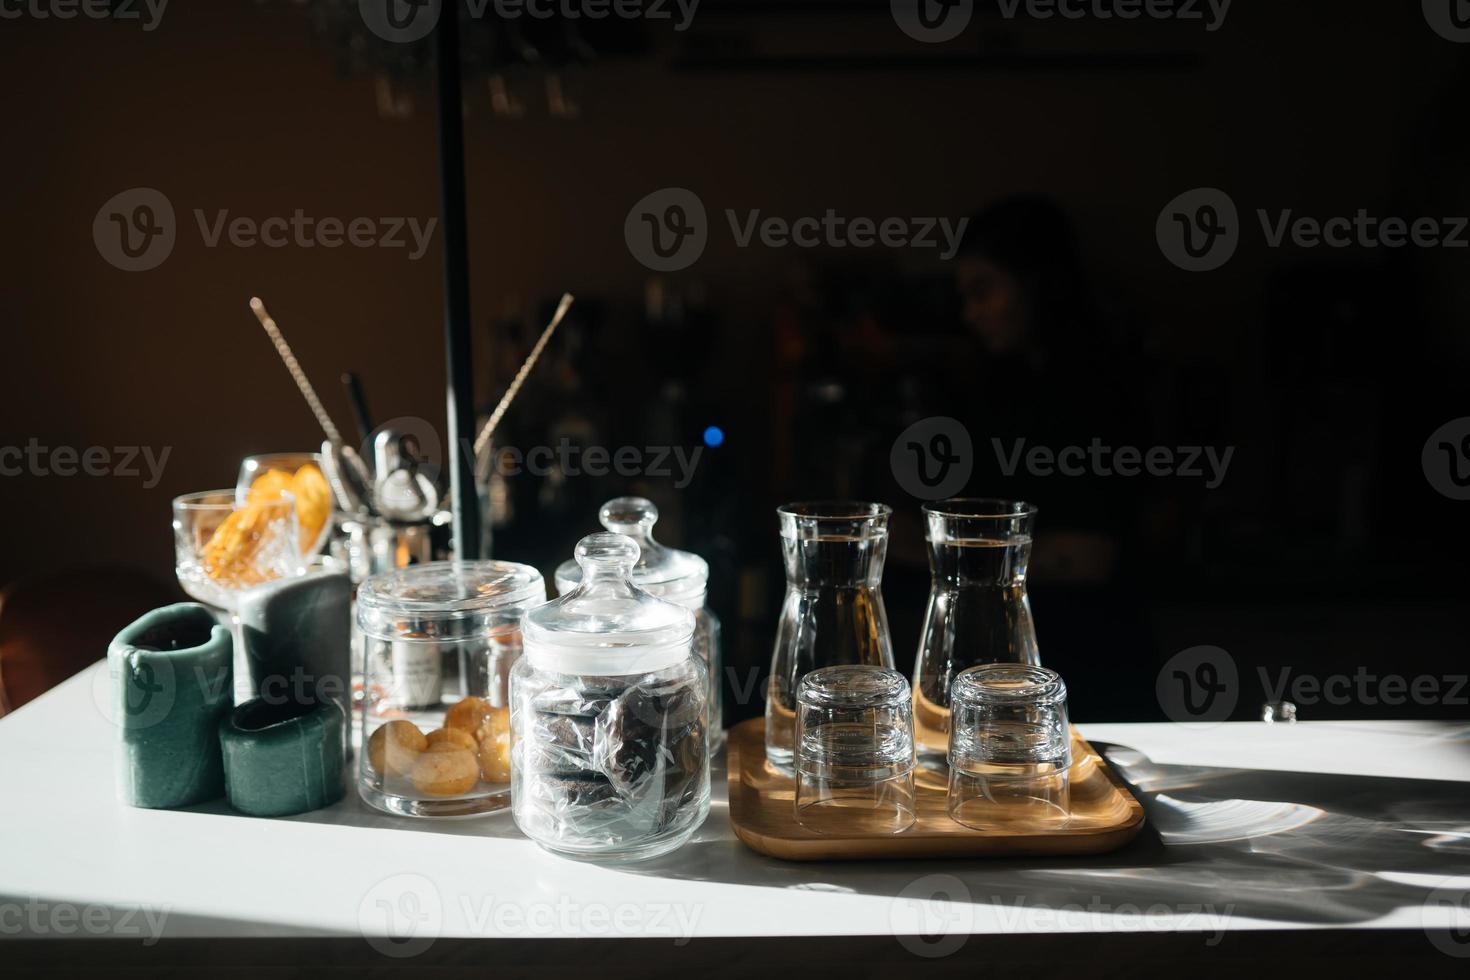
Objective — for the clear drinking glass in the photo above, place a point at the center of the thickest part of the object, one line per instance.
(1010, 748)
(854, 751)
(222, 550)
(833, 611)
(299, 474)
(978, 612)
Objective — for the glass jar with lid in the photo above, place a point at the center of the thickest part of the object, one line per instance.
(680, 577)
(610, 756)
(439, 642)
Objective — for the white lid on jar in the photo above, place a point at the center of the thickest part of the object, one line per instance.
(671, 574)
(607, 625)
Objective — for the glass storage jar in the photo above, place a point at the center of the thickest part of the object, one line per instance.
(676, 576)
(608, 710)
(439, 641)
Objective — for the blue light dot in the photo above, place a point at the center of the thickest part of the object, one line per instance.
(714, 436)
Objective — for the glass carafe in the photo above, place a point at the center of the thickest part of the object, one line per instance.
(833, 612)
(978, 612)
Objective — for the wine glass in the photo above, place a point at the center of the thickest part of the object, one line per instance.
(301, 475)
(221, 551)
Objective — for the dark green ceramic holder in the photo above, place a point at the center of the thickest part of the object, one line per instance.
(172, 683)
(283, 756)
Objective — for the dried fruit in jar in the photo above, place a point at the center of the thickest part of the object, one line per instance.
(493, 737)
(446, 769)
(454, 736)
(393, 747)
(468, 713)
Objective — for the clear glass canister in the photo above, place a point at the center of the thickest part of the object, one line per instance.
(676, 576)
(610, 758)
(439, 641)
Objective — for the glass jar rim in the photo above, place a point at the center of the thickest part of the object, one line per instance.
(980, 508)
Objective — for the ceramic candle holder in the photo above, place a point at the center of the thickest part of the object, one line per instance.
(172, 682)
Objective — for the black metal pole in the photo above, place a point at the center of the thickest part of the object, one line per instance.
(460, 392)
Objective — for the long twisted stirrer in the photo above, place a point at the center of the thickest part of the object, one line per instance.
(297, 375)
(483, 439)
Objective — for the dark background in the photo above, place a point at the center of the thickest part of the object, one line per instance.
(1326, 549)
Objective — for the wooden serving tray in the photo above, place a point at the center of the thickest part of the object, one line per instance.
(1105, 816)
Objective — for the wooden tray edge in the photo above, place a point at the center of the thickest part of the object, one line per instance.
(1090, 843)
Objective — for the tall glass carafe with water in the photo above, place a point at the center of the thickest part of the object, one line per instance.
(833, 612)
(978, 612)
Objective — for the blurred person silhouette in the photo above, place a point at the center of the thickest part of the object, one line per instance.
(1039, 371)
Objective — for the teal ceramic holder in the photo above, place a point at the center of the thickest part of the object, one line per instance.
(283, 757)
(172, 682)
